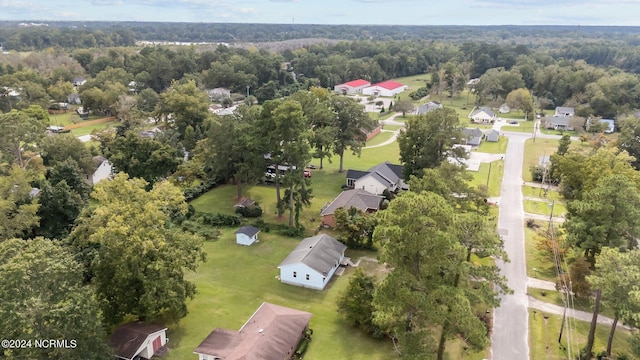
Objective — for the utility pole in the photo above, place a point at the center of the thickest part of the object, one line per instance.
(488, 176)
(544, 172)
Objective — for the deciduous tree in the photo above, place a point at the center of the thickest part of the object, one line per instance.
(607, 216)
(352, 124)
(142, 157)
(18, 211)
(19, 132)
(42, 297)
(617, 275)
(137, 262)
(428, 140)
(356, 302)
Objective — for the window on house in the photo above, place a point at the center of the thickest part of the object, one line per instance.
(307, 276)
(295, 274)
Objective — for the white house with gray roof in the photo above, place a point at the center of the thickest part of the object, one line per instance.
(380, 177)
(482, 114)
(313, 262)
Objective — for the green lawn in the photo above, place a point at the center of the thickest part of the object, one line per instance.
(235, 280)
(380, 138)
(65, 119)
(414, 82)
(541, 262)
(544, 207)
(524, 126)
(495, 178)
(392, 127)
(556, 132)
(533, 151)
(86, 130)
(499, 147)
(518, 115)
(581, 303)
(544, 330)
(326, 185)
(536, 192)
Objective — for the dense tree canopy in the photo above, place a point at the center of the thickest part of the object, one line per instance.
(428, 140)
(135, 261)
(42, 297)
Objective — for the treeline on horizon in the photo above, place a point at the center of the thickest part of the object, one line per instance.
(59, 33)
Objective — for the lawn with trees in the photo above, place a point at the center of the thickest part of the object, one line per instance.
(133, 249)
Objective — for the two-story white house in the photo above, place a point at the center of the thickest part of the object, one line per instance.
(313, 262)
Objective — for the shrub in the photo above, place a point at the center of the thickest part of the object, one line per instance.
(219, 219)
(384, 204)
(252, 211)
(194, 192)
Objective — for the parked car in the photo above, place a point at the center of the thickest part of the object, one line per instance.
(513, 122)
(312, 167)
(307, 173)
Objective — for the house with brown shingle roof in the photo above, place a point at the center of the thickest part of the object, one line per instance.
(357, 198)
(271, 333)
(138, 340)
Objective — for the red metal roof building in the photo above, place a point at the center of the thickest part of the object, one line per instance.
(352, 87)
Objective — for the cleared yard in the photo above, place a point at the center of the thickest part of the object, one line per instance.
(543, 207)
(236, 279)
(494, 178)
(499, 147)
(544, 330)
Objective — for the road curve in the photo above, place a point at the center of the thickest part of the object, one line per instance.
(510, 337)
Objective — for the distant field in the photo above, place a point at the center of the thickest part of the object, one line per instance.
(414, 82)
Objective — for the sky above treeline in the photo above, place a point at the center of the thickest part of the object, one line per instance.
(351, 12)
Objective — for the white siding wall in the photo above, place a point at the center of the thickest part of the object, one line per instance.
(101, 173)
(147, 351)
(316, 280)
(243, 239)
(370, 184)
(381, 91)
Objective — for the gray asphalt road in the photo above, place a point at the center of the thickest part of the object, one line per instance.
(510, 322)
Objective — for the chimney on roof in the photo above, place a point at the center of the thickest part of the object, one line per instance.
(261, 331)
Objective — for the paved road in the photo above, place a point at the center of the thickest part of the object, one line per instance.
(510, 337)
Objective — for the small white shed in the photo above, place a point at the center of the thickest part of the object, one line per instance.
(247, 235)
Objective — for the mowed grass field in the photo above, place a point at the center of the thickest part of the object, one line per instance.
(544, 330)
(236, 279)
(326, 184)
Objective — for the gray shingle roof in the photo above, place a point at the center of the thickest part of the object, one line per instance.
(562, 110)
(248, 230)
(487, 110)
(357, 198)
(320, 252)
(425, 108)
(388, 171)
(475, 132)
(356, 174)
